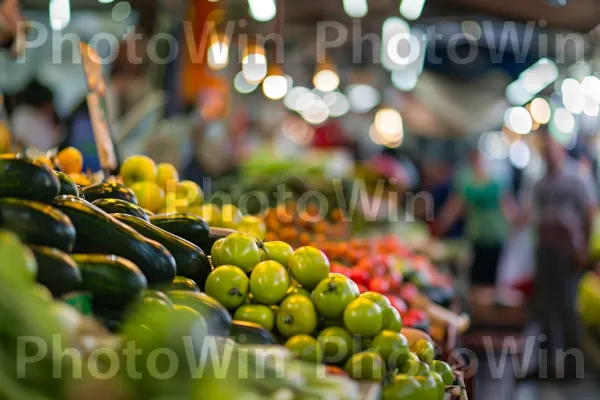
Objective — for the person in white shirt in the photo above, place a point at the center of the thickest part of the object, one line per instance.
(34, 121)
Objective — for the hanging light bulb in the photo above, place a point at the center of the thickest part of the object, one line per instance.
(411, 9)
(254, 64)
(356, 8)
(326, 78)
(217, 55)
(262, 10)
(60, 14)
(275, 85)
(540, 110)
(388, 123)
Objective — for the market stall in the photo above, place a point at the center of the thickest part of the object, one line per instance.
(129, 259)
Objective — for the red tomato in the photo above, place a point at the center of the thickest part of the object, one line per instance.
(340, 269)
(379, 269)
(395, 278)
(408, 292)
(379, 285)
(417, 315)
(398, 303)
(362, 288)
(408, 321)
(360, 276)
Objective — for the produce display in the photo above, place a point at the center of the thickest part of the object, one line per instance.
(261, 319)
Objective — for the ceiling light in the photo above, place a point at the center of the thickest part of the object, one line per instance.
(262, 10)
(356, 8)
(275, 85)
(518, 120)
(411, 9)
(540, 110)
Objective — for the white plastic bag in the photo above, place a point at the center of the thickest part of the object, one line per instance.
(517, 263)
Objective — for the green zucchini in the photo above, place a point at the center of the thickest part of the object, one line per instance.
(67, 184)
(244, 332)
(185, 225)
(37, 223)
(113, 281)
(99, 232)
(158, 296)
(118, 206)
(190, 259)
(183, 283)
(57, 270)
(26, 179)
(109, 189)
(217, 318)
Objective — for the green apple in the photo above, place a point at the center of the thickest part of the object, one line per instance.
(166, 175)
(231, 216)
(138, 168)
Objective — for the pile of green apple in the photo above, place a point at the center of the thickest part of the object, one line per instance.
(158, 188)
(321, 316)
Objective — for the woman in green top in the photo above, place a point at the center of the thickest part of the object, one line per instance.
(488, 208)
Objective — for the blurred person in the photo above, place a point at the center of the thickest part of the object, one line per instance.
(219, 140)
(34, 121)
(488, 208)
(437, 180)
(562, 206)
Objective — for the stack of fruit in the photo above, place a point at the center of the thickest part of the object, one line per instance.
(321, 316)
(158, 188)
(148, 277)
(302, 226)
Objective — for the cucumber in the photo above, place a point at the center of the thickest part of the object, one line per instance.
(109, 189)
(26, 179)
(99, 232)
(250, 333)
(185, 225)
(215, 234)
(118, 206)
(216, 316)
(67, 184)
(56, 270)
(37, 223)
(190, 259)
(113, 281)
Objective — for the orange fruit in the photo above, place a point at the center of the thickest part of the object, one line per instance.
(45, 161)
(336, 215)
(270, 237)
(80, 179)
(70, 160)
(305, 238)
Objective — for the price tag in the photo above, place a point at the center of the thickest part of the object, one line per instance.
(96, 101)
